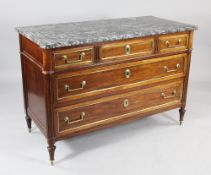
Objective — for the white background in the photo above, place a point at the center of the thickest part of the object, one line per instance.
(154, 145)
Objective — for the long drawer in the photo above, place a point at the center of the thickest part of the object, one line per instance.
(84, 83)
(90, 114)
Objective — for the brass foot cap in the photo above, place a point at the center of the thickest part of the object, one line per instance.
(52, 163)
(180, 122)
(30, 130)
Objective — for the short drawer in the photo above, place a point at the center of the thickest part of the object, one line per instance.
(172, 43)
(86, 83)
(132, 48)
(73, 57)
(86, 115)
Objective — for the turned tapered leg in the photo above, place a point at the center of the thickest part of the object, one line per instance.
(182, 113)
(29, 123)
(51, 149)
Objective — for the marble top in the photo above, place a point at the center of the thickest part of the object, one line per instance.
(78, 33)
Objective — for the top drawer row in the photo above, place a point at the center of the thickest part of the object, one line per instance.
(121, 49)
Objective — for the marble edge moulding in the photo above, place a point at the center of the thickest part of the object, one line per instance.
(77, 33)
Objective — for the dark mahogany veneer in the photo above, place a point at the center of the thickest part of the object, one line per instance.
(74, 90)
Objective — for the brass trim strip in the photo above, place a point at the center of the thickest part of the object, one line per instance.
(162, 37)
(137, 54)
(123, 42)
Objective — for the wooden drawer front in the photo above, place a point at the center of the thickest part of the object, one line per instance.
(110, 108)
(73, 57)
(172, 43)
(137, 47)
(112, 77)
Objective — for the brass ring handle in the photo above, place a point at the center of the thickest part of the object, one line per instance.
(68, 121)
(68, 88)
(127, 49)
(68, 60)
(127, 73)
(166, 69)
(173, 94)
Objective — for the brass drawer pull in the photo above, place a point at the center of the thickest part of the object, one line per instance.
(174, 46)
(127, 49)
(67, 119)
(68, 89)
(166, 69)
(179, 41)
(167, 44)
(126, 103)
(127, 73)
(173, 94)
(68, 60)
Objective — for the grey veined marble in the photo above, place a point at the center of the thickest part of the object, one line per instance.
(77, 33)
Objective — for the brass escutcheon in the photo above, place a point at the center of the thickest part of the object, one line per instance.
(127, 49)
(127, 73)
(126, 103)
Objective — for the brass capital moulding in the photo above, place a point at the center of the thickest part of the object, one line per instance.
(47, 72)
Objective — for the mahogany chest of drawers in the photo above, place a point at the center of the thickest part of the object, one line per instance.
(80, 77)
